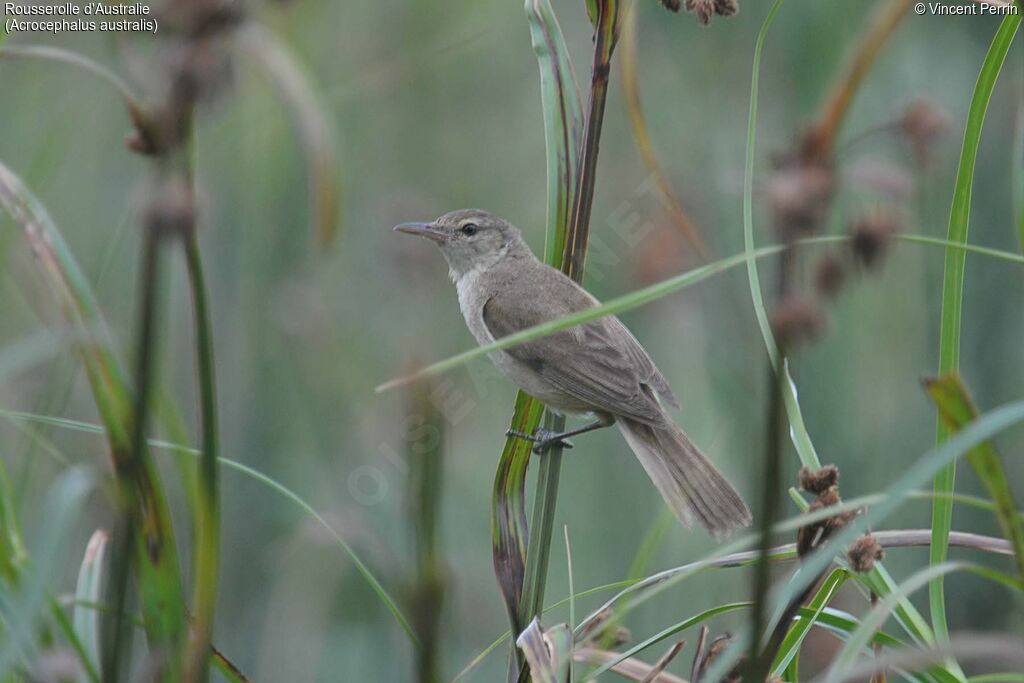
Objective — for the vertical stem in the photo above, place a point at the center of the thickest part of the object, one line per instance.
(769, 511)
(425, 452)
(149, 281)
(207, 559)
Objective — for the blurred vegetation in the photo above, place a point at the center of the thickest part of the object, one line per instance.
(430, 107)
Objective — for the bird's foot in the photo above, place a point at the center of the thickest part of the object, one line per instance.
(542, 439)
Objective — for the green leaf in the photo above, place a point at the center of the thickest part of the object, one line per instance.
(668, 632)
(957, 409)
(271, 483)
(159, 578)
(813, 565)
(952, 297)
(790, 648)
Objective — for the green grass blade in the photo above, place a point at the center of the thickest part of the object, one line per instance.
(790, 648)
(521, 557)
(873, 621)
(563, 121)
(271, 483)
(646, 295)
(669, 632)
(985, 427)
(952, 298)
(957, 409)
(159, 583)
(798, 430)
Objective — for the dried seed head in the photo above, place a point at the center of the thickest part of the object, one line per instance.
(798, 318)
(702, 9)
(705, 9)
(824, 483)
(672, 5)
(871, 236)
(726, 8)
(799, 197)
(715, 648)
(864, 552)
(820, 480)
(830, 276)
(922, 122)
(172, 209)
(880, 176)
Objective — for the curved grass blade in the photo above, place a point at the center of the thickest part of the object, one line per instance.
(985, 427)
(790, 648)
(668, 632)
(277, 487)
(311, 123)
(957, 408)
(89, 589)
(642, 137)
(159, 578)
(952, 297)
(798, 430)
(56, 54)
(645, 295)
(874, 620)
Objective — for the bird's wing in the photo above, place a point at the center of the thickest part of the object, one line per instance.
(599, 362)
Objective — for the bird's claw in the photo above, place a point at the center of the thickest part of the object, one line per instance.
(542, 439)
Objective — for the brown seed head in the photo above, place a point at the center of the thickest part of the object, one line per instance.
(830, 276)
(922, 122)
(820, 480)
(799, 197)
(702, 9)
(872, 234)
(726, 8)
(798, 318)
(864, 552)
(672, 5)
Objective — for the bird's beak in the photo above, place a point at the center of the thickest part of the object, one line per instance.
(428, 230)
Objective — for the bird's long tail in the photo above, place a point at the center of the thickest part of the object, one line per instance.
(689, 483)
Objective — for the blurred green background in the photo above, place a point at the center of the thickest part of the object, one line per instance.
(436, 106)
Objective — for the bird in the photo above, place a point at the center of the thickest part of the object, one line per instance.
(596, 370)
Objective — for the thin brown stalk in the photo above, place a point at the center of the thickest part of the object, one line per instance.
(631, 669)
(821, 136)
(628, 66)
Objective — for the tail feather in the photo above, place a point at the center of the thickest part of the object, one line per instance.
(691, 486)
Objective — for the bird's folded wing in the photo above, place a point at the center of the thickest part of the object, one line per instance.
(599, 362)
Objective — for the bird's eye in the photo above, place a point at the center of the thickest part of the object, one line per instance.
(469, 229)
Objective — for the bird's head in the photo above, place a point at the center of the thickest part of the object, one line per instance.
(470, 239)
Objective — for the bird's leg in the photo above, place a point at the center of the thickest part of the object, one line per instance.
(543, 439)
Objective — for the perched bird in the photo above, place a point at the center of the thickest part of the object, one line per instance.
(597, 369)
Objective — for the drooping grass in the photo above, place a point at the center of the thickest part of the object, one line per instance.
(985, 427)
(159, 582)
(952, 297)
(274, 485)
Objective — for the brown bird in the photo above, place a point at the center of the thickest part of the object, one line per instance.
(597, 369)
